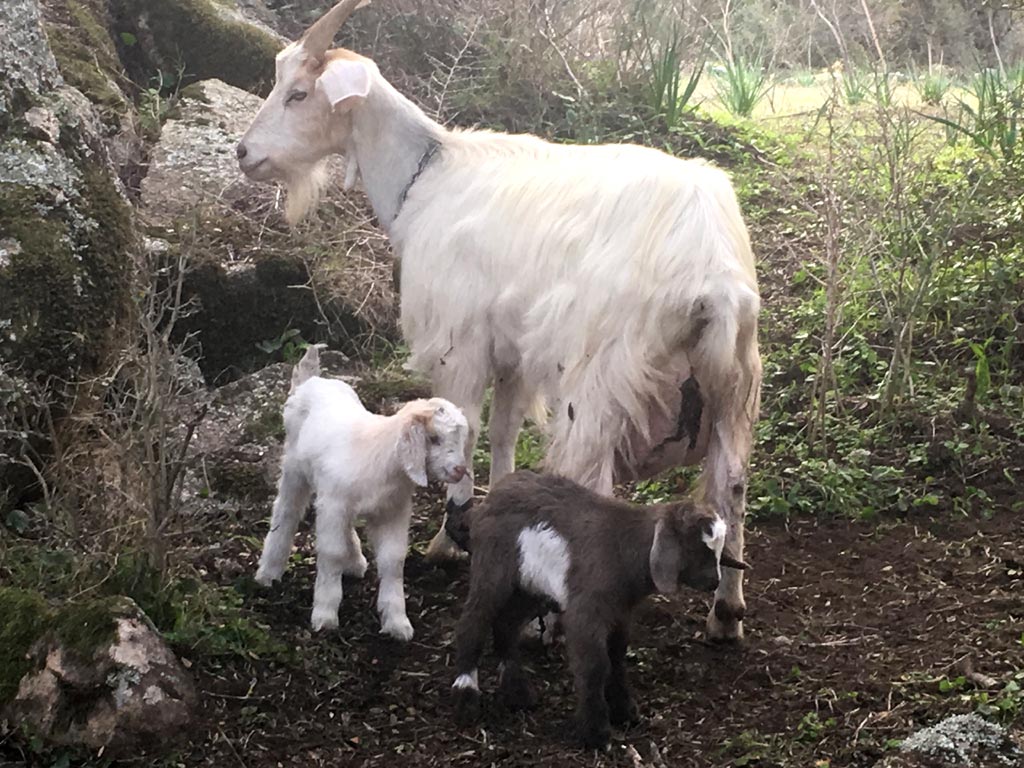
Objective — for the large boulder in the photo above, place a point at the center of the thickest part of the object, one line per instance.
(100, 677)
(253, 282)
(66, 237)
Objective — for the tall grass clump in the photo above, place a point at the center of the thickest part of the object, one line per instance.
(991, 114)
(932, 87)
(741, 84)
(661, 64)
(669, 95)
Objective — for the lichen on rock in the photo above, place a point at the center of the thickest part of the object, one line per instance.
(100, 676)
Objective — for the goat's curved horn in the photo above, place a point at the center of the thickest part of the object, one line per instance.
(318, 38)
(731, 562)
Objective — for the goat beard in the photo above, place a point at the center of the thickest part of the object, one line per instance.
(304, 190)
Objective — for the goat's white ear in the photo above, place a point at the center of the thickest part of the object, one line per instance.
(666, 559)
(345, 82)
(412, 451)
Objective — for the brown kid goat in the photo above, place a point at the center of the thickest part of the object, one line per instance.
(545, 542)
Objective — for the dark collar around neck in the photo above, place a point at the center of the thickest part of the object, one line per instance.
(428, 154)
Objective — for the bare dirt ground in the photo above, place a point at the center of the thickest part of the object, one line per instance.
(851, 629)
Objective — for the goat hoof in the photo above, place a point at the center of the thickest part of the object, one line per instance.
(516, 692)
(442, 549)
(323, 620)
(467, 706)
(399, 629)
(265, 578)
(356, 570)
(595, 736)
(623, 712)
(725, 623)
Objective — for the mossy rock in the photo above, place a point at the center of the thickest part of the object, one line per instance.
(86, 53)
(199, 38)
(64, 279)
(25, 619)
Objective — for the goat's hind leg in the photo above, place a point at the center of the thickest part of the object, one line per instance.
(513, 685)
(586, 639)
(332, 545)
(621, 708)
(469, 398)
(293, 494)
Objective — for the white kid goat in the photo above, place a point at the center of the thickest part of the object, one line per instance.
(612, 284)
(358, 464)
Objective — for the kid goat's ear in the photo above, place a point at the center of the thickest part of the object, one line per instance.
(666, 559)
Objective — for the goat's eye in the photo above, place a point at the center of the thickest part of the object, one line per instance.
(295, 96)
(435, 440)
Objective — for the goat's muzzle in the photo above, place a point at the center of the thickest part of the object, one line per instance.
(241, 151)
(455, 475)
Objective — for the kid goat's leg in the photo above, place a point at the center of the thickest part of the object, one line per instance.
(389, 536)
(621, 709)
(332, 552)
(513, 686)
(586, 638)
(489, 590)
(289, 506)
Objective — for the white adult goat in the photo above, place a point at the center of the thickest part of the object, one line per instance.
(614, 283)
(358, 464)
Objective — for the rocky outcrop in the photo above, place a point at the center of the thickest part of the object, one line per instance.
(960, 741)
(66, 230)
(252, 280)
(101, 677)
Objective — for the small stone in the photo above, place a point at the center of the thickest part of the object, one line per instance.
(782, 640)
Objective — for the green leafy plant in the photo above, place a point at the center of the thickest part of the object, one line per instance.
(290, 344)
(741, 83)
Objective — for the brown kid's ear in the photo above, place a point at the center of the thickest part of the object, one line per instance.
(729, 561)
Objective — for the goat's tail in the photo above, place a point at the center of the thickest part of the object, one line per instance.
(307, 367)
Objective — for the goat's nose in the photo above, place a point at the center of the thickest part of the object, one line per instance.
(458, 473)
(241, 151)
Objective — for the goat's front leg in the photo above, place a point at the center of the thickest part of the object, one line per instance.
(390, 539)
(586, 640)
(332, 553)
(470, 401)
(490, 587)
(621, 709)
(293, 494)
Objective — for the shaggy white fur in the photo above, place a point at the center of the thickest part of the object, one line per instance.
(595, 280)
(358, 464)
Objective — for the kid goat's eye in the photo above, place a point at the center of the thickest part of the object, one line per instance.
(296, 96)
(435, 440)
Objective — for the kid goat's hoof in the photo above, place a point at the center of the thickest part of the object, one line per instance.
(399, 629)
(623, 713)
(467, 706)
(516, 692)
